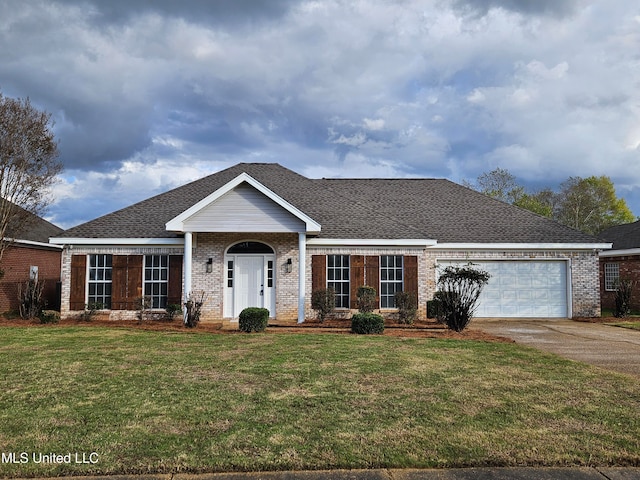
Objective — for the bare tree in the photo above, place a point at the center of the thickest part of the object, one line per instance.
(28, 165)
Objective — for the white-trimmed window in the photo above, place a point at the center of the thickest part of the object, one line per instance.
(338, 278)
(99, 284)
(611, 276)
(391, 279)
(156, 279)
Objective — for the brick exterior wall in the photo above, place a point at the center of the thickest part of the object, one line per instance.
(629, 268)
(16, 263)
(65, 274)
(214, 246)
(583, 271)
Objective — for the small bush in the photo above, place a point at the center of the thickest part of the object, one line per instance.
(623, 298)
(193, 307)
(323, 302)
(49, 316)
(366, 299)
(30, 297)
(173, 310)
(407, 308)
(90, 311)
(367, 323)
(253, 319)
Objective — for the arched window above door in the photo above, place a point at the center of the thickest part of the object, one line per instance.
(250, 247)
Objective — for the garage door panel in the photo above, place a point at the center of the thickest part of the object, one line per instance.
(522, 288)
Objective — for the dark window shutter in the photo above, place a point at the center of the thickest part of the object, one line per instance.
(126, 283)
(175, 280)
(318, 272)
(372, 274)
(356, 271)
(78, 282)
(119, 282)
(411, 275)
(134, 281)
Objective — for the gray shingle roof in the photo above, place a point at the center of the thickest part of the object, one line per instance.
(623, 237)
(352, 208)
(27, 226)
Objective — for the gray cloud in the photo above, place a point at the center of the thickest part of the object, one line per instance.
(149, 93)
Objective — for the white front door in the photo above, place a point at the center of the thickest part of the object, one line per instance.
(249, 283)
(249, 289)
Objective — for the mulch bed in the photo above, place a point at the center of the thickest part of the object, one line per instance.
(337, 327)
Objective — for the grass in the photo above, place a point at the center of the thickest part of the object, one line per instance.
(151, 402)
(626, 324)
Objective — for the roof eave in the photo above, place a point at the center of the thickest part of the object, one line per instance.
(116, 241)
(621, 252)
(524, 246)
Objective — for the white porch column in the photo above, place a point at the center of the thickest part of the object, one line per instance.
(302, 267)
(188, 262)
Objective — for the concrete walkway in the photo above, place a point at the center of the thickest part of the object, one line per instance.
(612, 348)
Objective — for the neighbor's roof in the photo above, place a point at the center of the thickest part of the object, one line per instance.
(351, 209)
(624, 237)
(30, 227)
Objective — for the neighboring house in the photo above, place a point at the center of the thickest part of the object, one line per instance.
(620, 263)
(29, 255)
(263, 235)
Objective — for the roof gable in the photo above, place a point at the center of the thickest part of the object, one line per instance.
(235, 207)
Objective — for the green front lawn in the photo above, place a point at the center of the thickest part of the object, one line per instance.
(173, 402)
(625, 324)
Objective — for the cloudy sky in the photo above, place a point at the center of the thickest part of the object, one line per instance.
(150, 94)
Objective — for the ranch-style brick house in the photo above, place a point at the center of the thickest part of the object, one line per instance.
(262, 235)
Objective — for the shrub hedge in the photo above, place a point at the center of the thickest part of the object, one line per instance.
(253, 319)
(366, 323)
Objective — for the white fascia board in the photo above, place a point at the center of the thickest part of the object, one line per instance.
(30, 243)
(371, 242)
(177, 223)
(116, 241)
(621, 253)
(523, 246)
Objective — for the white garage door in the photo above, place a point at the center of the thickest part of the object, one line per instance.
(522, 289)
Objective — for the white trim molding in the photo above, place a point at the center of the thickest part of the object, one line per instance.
(621, 253)
(523, 246)
(371, 242)
(31, 243)
(177, 223)
(117, 241)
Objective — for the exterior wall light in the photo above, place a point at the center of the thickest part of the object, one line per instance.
(288, 266)
(209, 265)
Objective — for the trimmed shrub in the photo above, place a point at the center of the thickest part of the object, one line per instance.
(253, 319)
(49, 316)
(366, 298)
(173, 310)
(193, 308)
(323, 302)
(459, 289)
(367, 323)
(407, 308)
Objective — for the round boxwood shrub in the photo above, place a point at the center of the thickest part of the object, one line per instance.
(365, 323)
(253, 319)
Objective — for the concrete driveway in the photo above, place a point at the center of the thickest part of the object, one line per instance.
(611, 348)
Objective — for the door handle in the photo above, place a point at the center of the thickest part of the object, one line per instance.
(261, 290)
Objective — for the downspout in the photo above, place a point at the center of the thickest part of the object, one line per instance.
(302, 266)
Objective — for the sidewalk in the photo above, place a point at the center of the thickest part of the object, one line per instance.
(550, 473)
